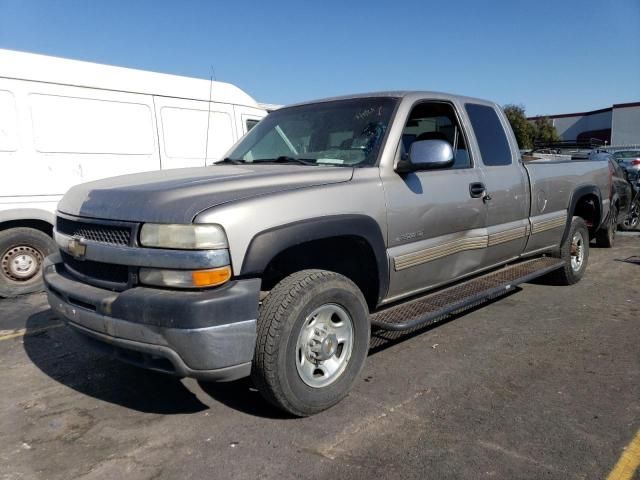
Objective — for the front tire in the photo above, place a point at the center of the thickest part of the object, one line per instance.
(313, 339)
(575, 253)
(22, 251)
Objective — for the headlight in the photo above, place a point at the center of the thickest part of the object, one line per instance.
(186, 237)
(185, 278)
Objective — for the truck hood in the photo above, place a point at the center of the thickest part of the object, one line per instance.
(177, 196)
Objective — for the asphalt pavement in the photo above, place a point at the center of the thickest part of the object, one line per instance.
(543, 383)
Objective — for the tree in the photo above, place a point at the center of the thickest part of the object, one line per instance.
(522, 128)
(544, 131)
(528, 132)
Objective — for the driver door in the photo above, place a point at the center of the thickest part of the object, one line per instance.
(436, 225)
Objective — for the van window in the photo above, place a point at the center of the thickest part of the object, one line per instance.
(185, 133)
(8, 122)
(251, 122)
(86, 125)
(492, 141)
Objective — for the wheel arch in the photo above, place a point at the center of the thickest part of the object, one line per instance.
(580, 198)
(42, 220)
(350, 234)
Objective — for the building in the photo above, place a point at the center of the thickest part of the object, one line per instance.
(616, 125)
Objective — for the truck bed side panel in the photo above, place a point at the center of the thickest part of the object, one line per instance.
(552, 186)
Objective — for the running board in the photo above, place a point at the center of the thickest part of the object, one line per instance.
(426, 309)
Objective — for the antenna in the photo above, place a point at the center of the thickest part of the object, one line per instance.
(206, 145)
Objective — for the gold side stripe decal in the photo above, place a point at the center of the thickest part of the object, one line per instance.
(508, 235)
(433, 253)
(472, 243)
(544, 225)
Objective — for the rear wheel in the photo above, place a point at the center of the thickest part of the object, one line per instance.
(575, 253)
(22, 251)
(313, 339)
(606, 237)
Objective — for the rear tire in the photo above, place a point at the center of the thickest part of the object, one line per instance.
(575, 253)
(313, 339)
(606, 237)
(22, 251)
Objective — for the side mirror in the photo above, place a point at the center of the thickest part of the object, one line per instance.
(426, 155)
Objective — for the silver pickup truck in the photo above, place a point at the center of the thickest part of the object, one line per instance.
(385, 210)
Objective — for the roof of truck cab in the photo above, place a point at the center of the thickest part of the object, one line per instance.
(411, 94)
(44, 68)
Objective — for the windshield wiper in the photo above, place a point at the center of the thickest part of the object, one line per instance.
(286, 159)
(232, 161)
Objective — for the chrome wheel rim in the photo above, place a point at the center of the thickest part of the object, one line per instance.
(324, 346)
(632, 219)
(577, 251)
(21, 263)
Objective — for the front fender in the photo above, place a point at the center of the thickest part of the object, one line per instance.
(267, 244)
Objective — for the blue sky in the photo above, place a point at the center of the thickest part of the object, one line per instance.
(552, 56)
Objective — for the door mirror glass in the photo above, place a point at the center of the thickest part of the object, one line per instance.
(427, 155)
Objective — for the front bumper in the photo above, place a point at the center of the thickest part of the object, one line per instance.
(208, 335)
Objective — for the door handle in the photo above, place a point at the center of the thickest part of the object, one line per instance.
(477, 190)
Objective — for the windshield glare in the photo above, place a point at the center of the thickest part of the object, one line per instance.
(342, 133)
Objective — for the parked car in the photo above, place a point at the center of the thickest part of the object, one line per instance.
(632, 220)
(64, 122)
(326, 219)
(630, 161)
(621, 198)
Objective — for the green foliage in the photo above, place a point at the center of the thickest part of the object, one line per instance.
(521, 127)
(527, 132)
(544, 131)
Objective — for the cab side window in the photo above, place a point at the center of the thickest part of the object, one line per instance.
(490, 134)
(436, 121)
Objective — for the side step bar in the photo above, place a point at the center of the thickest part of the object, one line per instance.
(426, 309)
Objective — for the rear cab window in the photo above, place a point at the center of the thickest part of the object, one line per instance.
(490, 135)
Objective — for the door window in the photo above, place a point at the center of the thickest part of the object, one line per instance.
(88, 125)
(436, 121)
(8, 122)
(185, 133)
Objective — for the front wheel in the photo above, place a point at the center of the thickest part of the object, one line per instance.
(313, 339)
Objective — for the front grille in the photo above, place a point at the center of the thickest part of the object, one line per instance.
(115, 275)
(111, 234)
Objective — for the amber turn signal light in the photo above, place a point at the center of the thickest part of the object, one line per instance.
(210, 278)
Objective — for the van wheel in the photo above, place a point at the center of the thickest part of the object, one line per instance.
(575, 253)
(22, 251)
(313, 339)
(606, 237)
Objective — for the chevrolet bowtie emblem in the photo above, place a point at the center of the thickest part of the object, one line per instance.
(76, 248)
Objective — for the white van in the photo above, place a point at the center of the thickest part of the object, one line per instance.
(64, 122)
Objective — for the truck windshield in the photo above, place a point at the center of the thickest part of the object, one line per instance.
(342, 132)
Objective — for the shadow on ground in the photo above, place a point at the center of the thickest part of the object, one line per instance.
(63, 355)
